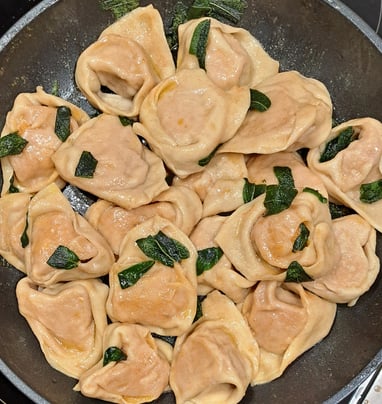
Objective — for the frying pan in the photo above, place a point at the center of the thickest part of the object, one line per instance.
(321, 39)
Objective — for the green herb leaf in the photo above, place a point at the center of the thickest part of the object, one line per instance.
(164, 249)
(55, 88)
(130, 276)
(259, 101)
(24, 239)
(12, 189)
(320, 197)
(198, 45)
(199, 309)
(280, 197)
(113, 354)
(204, 161)
(252, 191)
(371, 192)
(222, 10)
(337, 211)
(63, 258)
(12, 144)
(179, 17)
(296, 273)
(207, 258)
(125, 121)
(167, 338)
(302, 239)
(119, 7)
(86, 165)
(62, 124)
(341, 142)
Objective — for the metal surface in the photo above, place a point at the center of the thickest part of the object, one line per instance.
(321, 39)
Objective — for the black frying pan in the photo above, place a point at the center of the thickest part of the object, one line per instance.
(319, 38)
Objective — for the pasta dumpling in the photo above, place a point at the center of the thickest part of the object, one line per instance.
(70, 346)
(233, 56)
(300, 116)
(62, 245)
(13, 218)
(217, 358)
(138, 372)
(35, 117)
(125, 172)
(352, 173)
(186, 117)
(149, 289)
(178, 204)
(357, 267)
(286, 320)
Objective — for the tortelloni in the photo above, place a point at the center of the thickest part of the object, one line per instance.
(153, 282)
(178, 204)
(42, 121)
(233, 56)
(217, 358)
(118, 70)
(286, 320)
(62, 245)
(133, 369)
(221, 276)
(106, 158)
(357, 267)
(220, 184)
(349, 161)
(13, 218)
(300, 116)
(68, 319)
(296, 241)
(186, 117)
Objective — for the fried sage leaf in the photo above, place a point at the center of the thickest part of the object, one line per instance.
(341, 142)
(252, 191)
(302, 239)
(207, 258)
(198, 45)
(131, 275)
(63, 258)
(62, 124)
(259, 101)
(371, 192)
(12, 144)
(86, 165)
(113, 354)
(296, 273)
(319, 196)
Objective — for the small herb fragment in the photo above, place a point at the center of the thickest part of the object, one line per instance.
(337, 211)
(296, 273)
(86, 165)
(12, 144)
(341, 142)
(207, 258)
(280, 197)
(24, 239)
(12, 189)
(204, 161)
(63, 258)
(130, 276)
(371, 192)
(252, 191)
(320, 197)
(179, 17)
(164, 249)
(302, 239)
(62, 124)
(55, 88)
(259, 101)
(222, 10)
(199, 309)
(113, 354)
(125, 121)
(198, 45)
(119, 7)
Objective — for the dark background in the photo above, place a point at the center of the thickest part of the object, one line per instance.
(12, 10)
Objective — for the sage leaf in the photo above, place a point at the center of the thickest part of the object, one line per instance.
(63, 258)
(12, 144)
(259, 101)
(113, 354)
(284, 176)
(198, 45)
(162, 248)
(86, 165)
(62, 124)
(131, 275)
(278, 198)
(125, 121)
(302, 239)
(371, 192)
(119, 7)
(252, 191)
(222, 10)
(340, 142)
(204, 161)
(319, 196)
(296, 273)
(207, 258)
(337, 211)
